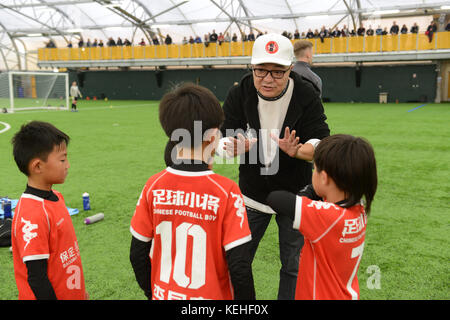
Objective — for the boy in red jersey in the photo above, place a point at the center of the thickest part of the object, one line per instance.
(334, 228)
(189, 229)
(47, 262)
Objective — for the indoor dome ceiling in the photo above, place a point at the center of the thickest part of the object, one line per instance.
(26, 25)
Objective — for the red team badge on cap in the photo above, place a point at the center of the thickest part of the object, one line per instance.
(271, 47)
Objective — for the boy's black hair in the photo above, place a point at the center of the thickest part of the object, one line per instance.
(350, 162)
(184, 106)
(36, 139)
(187, 104)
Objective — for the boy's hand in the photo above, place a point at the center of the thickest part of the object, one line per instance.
(289, 143)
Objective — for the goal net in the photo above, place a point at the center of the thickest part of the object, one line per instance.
(24, 90)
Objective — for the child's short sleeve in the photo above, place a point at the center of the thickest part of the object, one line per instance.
(235, 224)
(141, 223)
(313, 218)
(32, 231)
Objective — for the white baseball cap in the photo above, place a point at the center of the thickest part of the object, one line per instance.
(272, 48)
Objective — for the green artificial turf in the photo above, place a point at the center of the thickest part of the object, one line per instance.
(117, 145)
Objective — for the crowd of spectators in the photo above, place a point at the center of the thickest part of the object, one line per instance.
(213, 37)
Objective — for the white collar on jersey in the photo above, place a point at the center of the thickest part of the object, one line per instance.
(189, 173)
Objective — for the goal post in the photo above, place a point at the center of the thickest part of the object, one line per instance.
(28, 90)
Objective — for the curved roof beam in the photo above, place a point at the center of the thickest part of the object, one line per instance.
(35, 20)
(290, 10)
(62, 13)
(182, 14)
(246, 11)
(16, 50)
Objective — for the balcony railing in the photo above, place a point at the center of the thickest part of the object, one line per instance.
(372, 44)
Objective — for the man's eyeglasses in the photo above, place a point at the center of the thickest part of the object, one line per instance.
(276, 74)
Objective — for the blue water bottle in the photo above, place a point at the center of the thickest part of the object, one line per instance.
(6, 206)
(86, 202)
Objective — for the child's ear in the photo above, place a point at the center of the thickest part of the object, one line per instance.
(324, 177)
(35, 166)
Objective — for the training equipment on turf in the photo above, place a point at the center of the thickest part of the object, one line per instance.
(86, 202)
(25, 90)
(94, 218)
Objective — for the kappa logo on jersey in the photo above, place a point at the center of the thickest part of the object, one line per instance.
(239, 205)
(271, 47)
(27, 234)
(319, 205)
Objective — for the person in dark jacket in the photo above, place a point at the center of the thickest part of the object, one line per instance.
(281, 119)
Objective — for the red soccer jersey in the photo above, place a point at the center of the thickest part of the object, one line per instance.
(334, 243)
(43, 229)
(193, 218)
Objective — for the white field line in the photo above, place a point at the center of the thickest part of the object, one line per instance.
(6, 128)
(89, 108)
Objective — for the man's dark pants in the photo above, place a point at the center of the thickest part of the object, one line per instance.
(291, 242)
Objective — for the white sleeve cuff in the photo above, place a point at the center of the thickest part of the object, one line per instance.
(298, 213)
(314, 142)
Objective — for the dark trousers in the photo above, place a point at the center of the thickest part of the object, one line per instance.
(291, 242)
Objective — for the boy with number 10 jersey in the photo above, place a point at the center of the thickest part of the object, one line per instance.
(193, 217)
(189, 220)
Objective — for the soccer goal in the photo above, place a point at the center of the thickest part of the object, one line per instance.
(27, 90)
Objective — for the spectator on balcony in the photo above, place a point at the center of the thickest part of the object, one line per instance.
(206, 40)
(95, 43)
(331, 33)
(336, 33)
(198, 39)
(227, 37)
(81, 43)
(361, 30)
(303, 35)
(251, 36)
(309, 34)
(111, 42)
(394, 29)
(384, 32)
(316, 33)
(404, 29)
(50, 44)
(432, 28)
(88, 43)
(234, 38)
(100, 43)
(184, 41)
(155, 40)
(296, 34)
(213, 36)
(353, 33)
(142, 43)
(127, 42)
(345, 32)
(369, 31)
(168, 40)
(191, 40)
(243, 37)
(447, 27)
(414, 28)
(70, 45)
(220, 38)
(379, 31)
(119, 42)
